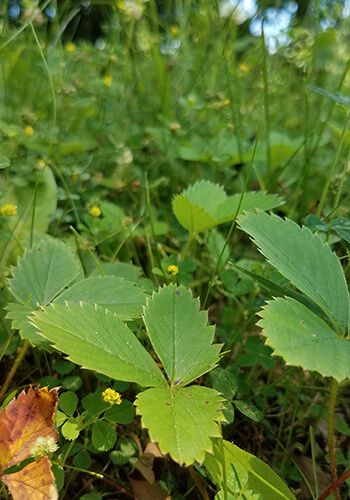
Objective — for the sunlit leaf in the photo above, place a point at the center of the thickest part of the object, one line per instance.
(205, 205)
(261, 477)
(180, 334)
(303, 339)
(181, 420)
(43, 272)
(98, 340)
(115, 294)
(303, 258)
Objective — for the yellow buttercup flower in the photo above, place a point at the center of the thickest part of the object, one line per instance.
(244, 68)
(174, 30)
(8, 210)
(173, 270)
(70, 47)
(107, 80)
(28, 131)
(95, 211)
(111, 396)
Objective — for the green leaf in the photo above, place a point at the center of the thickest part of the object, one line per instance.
(121, 414)
(180, 335)
(251, 202)
(303, 258)
(314, 223)
(19, 315)
(73, 383)
(45, 203)
(282, 290)
(205, 205)
(236, 478)
(181, 420)
(120, 270)
(261, 477)
(303, 339)
(103, 436)
(43, 272)
(70, 429)
(94, 404)
(115, 294)
(119, 458)
(82, 460)
(192, 217)
(68, 402)
(207, 195)
(342, 227)
(336, 97)
(4, 162)
(98, 340)
(249, 410)
(222, 380)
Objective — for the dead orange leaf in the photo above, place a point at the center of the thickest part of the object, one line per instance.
(21, 424)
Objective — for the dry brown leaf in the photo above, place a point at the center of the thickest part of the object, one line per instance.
(26, 419)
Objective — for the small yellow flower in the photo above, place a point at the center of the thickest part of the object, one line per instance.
(28, 131)
(244, 68)
(174, 30)
(173, 270)
(111, 396)
(41, 163)
(107, 80)
(8, 210)
(95, 211)
(121, 5)
(70, 47)
(43, 446)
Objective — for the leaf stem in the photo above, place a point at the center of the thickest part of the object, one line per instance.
(188, 243)
(98, 265)
(330, 427)
(14, 369)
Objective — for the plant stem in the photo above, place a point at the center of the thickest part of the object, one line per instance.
(236, 214)
(198, 483)
(54, 117)
(266, 100)
(98, 265)
(330, 427)
(14, 369)
(331, 170)
(189, 241)
(330, 490)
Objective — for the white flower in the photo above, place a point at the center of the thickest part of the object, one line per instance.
(43, 447)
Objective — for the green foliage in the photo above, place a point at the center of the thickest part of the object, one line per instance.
(205, 205)
(98, 340)
(182, 420)
(115, 294)
(305, 340)
(292, 330)
(100, 144)
(180, 335)
(43, 272)
(304, 259)
(244, 472)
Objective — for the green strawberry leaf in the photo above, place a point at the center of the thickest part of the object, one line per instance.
(181, 420)
(180, 334)
(98, 340)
